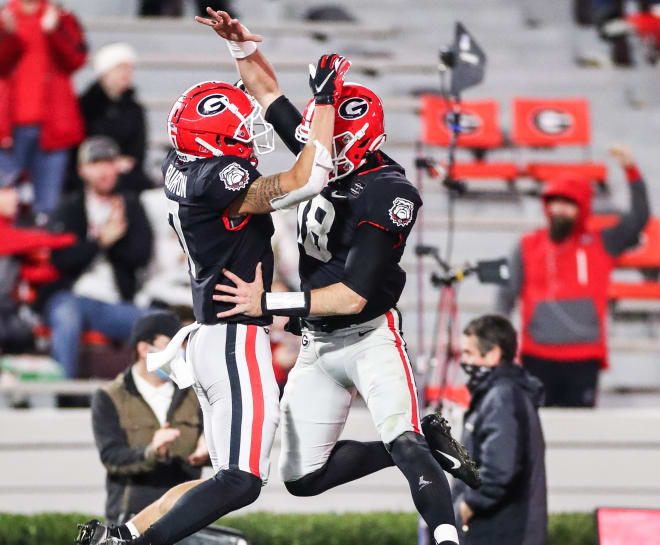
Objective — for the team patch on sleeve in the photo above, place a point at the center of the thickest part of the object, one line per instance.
(234, 176)
(401, 212)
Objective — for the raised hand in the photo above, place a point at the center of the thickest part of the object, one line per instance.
(227, 28)
(246, 295)
(622, 154)
(326, 79)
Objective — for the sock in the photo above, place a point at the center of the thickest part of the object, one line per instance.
(349, 460)
(132, 529)
(123, 532)
(428, 485)
(227, 490)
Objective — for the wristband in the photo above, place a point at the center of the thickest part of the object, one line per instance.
(286, 303)
(632, 173)
(240, 50)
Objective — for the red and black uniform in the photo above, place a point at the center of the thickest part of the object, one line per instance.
(563, 292)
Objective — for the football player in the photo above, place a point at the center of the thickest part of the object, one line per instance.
(218, 206)
(351, 239)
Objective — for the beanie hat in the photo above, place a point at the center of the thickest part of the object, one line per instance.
(112, 55)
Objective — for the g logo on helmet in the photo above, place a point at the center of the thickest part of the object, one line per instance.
(234, 176)
(212, 105)
(353, 108)
(401, 212)
(553, 121)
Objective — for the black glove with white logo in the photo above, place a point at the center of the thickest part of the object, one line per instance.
(327, 78)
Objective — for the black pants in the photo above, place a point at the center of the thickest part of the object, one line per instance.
(567, 383)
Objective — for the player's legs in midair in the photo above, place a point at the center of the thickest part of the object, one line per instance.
(383, 375)
(239, 398)
(315, 406)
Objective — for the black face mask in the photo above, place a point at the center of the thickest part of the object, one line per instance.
(477, 375)
(560, 228)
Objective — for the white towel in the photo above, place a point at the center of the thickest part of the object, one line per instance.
(170, 360)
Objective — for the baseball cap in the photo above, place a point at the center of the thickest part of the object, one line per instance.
(97, 148)
(153, 324)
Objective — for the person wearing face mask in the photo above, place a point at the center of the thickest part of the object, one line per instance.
(503, 434)
(561, 274)
(148, 432)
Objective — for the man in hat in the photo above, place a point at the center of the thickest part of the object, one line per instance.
(561, 274)
(148, 432)
(98, 274)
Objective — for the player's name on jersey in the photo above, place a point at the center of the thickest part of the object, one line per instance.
(176, 181)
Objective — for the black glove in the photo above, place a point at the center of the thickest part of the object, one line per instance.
(327, 78)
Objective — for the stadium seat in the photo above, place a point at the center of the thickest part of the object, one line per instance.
(480, 132)
(644, 257)
(647, 26)
(553, 123)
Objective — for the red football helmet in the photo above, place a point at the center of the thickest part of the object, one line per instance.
(359, 128)
(214, 118)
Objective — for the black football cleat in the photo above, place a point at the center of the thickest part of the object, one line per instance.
(448, 452)
(94, 533)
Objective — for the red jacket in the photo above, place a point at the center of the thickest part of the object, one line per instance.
(564, 293)
(62, 124)
(563, 287)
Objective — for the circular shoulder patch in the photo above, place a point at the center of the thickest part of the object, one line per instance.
(401, 212)
(234, 176)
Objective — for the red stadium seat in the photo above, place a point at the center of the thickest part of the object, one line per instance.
(552, 123)
(644, 256)
(480, 130)
(647, 26)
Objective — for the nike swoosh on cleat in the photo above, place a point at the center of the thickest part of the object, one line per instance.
(338, 195)
(319, 87)
(453, 460)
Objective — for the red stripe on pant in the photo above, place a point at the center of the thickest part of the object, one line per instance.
(257, 399)
(398, 341)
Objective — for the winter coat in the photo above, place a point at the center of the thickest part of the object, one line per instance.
(502, 432)
(123, 120)
(126, 256)
(62, 125)
(563, 287)
(124, 426)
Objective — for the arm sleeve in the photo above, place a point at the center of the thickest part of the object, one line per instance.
(134, 249)
(501, 454)
(73, 259)
(227, 178)
(10, 51)
(507, 295)
(625, 234)
(67, 43)
(116, 454)
(285, 117)
(371, 250)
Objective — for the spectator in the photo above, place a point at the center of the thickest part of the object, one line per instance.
(503, 434)
(41, 46)
(148, 432)
(109, 108)
(561, 274)
(99, 272)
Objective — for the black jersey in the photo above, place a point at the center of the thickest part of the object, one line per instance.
(381, 197)
(199, 193)
(377, 194)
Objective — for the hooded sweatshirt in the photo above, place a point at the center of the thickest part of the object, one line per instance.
(563, 285)
(502, 432)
